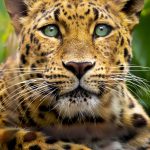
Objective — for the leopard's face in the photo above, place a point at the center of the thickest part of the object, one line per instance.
(76, 52)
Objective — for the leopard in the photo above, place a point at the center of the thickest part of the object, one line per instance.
(65, 88)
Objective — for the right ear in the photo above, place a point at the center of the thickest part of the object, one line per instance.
(16, 10)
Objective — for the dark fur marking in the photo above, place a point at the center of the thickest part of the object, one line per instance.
(128, 6)
(42, 116)
(102, 16)
(27, 49)
(31, 121)
(139, 121)
(96, 13)
(67, 147)
(69, 18)
(2, 101)
(69, 6)
(121, 67)
(35, 147)
(20, 146)
(75, 119)
(27, 114)
(129, 136)
(23, 60)
(44, 53)
(65, 13)
(56, 14)
(131, 104)
(122, 41)
(39, 47)
(57, 4)
(87, 12)
(91, 3)
(31, 37)
(121, 114)
(126, 52)
(33, 66)
(81, 17)
(101, 89)
(51, 140)
(95, 139)
(82, 5)
(22, 120)
(39, 75)
(11, 144)
(43, 10)
(23, 39)
(41, 61)
(129, 42)
(30, 136)
(43, 108)
(36, 41)
(113, 118)
(34, 27)
(57, 76)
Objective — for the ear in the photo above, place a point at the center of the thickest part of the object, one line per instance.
(16, 10)
(132, 8)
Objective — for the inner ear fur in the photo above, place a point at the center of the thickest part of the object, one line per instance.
(16, 10)
(129, 7)
(133, 7)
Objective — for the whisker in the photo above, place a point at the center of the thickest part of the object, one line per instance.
(29, 104)
(44, 97)
(17, 91)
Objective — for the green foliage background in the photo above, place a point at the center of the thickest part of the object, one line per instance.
(141, 49)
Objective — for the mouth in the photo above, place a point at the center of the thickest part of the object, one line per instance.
(80, 93)
(78, 104)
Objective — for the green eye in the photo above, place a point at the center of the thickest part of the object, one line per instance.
(102, 30)
(51, 31)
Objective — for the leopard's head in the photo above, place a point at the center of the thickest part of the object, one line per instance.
(75, 50)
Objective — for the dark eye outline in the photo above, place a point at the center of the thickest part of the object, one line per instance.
(58, 36)
(110, 30)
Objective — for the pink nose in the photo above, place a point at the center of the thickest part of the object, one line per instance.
(79, 68)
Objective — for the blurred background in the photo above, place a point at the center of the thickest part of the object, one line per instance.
(139, 79)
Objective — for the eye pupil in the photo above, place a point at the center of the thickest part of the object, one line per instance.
(50, 31)
(102, 30)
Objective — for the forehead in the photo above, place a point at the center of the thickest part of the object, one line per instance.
(73, 13)
(73, 4)
(77, 2)
(75, 9)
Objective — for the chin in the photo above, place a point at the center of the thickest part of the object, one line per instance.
(78, 102)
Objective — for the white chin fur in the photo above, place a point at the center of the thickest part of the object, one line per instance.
(69, 109)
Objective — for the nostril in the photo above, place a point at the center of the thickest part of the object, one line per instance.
(88, 67)
(78, 68)
(70, 68)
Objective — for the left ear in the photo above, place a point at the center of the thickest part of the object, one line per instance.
(132, 8)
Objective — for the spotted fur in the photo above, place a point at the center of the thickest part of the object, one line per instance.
(71, 89)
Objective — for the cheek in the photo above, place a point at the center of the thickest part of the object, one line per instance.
(106, 48)
(38, 46)
(49, 46)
